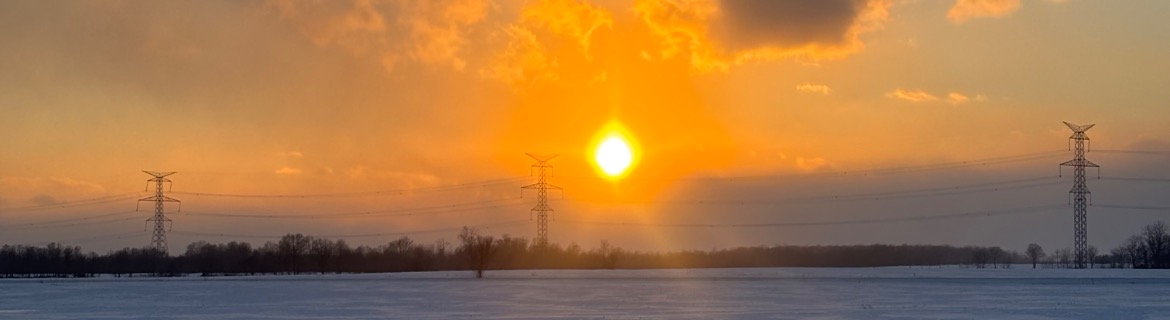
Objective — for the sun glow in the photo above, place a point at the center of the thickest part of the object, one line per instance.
(614, 156)
(614, 153)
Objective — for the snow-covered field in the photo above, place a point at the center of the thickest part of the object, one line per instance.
(769, 293)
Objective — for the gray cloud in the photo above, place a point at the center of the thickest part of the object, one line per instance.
(787, 23)
(43, 199)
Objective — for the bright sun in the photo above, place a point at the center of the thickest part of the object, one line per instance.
(614, 156)
(614, 151)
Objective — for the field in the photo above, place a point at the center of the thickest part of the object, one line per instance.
(780, 293)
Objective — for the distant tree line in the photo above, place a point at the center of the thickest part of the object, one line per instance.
(302, 254)
(1149, 249)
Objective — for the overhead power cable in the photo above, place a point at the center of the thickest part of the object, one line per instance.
(1014, 184)
(1135, 179)
(360, 235)
(1132, 207)
(1143, 152)
(907, 169)
(470, 206)
(65, 221)
(76, 203)
(974, 214)
(392, 192)
(77, 224)
(104, 238)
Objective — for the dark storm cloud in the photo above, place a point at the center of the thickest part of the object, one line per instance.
(787, 23)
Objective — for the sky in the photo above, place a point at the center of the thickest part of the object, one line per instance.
(753, 122)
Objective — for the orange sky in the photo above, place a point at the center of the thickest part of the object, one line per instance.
(299, 97)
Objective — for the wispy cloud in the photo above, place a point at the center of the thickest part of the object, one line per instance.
(957, 98)
(916, 96)
(912, 95)
(965, 10)
(287, 170)
(814, 88)
(810, 164)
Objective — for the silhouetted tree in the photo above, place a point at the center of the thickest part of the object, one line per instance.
(478, 249)
(1135, 249)
(291, 249)
(1157, 245)
(1035, 252)
(609, 254)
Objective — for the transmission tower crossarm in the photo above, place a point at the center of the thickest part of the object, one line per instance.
(1079, 128)
(539, 185)
(1080, 163)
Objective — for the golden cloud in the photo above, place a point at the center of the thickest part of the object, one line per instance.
(810, 164)
(439, 28)
(957, 98)
(428, 31)
(965, 10)
(534, 50)
(814, 88)
(286, 170)
(570, 18)
(912, 95)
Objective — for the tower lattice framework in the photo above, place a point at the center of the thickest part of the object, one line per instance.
(158, 240)
(1079, 194)
(542, 209)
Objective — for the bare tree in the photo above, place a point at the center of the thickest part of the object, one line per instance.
(1062, 258)
(996, 255)
(478, 249)
(1120, 256)
(1134, 250)
(292, 247)
(1157, 245)
(1035, 252)
(323, 251)
(979, 257)
(609, 254)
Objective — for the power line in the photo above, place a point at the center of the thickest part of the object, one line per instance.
(1132, 207)
(1142, 152)
(360, 235)
(872, 196)
(375, 213)
(104, 238)
(76, 203)
(90, 223)
(1135, 179)
(392, 192)
(894, 170)
(975, 214)
(93, 239)
(50, 222)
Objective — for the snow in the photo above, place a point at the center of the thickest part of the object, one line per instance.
(764, 293)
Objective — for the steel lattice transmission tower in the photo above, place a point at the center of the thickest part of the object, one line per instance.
(1080, 192)
(542, 209)
(158, 241)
